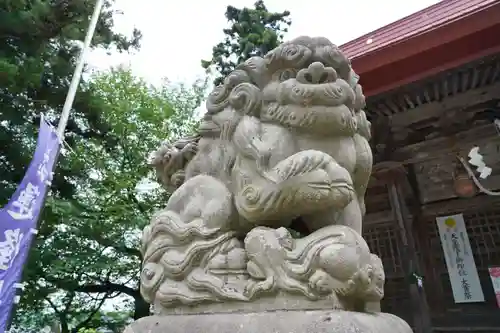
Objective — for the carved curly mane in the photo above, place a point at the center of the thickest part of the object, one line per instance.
(284, 136)
(170, 160)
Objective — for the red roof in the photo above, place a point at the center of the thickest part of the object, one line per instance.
(436, 27)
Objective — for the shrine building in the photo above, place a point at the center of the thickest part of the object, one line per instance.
(432, 82)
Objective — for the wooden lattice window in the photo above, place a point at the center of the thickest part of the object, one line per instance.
(397, 298)
(385, 241)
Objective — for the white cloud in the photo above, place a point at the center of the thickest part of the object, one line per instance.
(178, 34)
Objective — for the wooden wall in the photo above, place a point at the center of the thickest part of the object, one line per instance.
(435, 176)
(422, 128)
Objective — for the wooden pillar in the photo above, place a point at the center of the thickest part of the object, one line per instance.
(422, 241)
(420, 308)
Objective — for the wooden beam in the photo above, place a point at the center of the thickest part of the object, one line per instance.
(459, 205)
(434, 148)
(438, 192)
(435, 109)
(378, 218)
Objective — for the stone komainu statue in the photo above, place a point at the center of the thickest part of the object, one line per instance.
(285, 137)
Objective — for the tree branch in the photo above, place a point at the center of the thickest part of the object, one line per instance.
(104, 287)
(84, 323)
(108, 288)
(123, 249)
(52, 305)
(62, 316)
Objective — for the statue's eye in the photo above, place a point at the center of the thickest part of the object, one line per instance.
(287, 74)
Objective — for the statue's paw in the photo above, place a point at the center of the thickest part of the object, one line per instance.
(321, 281)
(341, 195)
(318, 180)
(337, 195)
(312, 187)
(254, 287)
(339, 174)
(250, 288)
(321, 187)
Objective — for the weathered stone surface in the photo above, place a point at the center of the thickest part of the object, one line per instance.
(285, 138)
(273, 322)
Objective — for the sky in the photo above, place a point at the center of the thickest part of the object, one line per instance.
(178, 34)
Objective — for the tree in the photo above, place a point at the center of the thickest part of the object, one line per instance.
(38, 51)
(39, 44)
(252, 32)
(89, 263)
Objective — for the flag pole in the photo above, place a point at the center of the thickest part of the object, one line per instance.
(70, 97)
(75, 81)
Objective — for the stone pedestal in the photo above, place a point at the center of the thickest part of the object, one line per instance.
(292, 321)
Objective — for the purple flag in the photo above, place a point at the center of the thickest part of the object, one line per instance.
(18, 219)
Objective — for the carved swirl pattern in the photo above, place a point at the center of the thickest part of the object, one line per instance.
(181, 241)
(245, 98)
(334, 259)
(285, 136)
(219, 98)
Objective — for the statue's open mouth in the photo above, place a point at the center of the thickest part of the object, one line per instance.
(330, 93)
(327, 94)
(304, 114)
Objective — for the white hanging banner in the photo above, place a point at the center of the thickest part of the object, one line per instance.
(459, 260)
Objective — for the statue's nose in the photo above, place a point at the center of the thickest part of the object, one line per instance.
(316, 73)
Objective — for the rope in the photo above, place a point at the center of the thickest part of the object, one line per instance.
(475, 180)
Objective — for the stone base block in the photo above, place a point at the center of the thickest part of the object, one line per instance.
(317, 321)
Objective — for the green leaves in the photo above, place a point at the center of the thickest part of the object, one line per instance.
(37, 59)
(253, 32)
(85, 253)
(87, 256)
